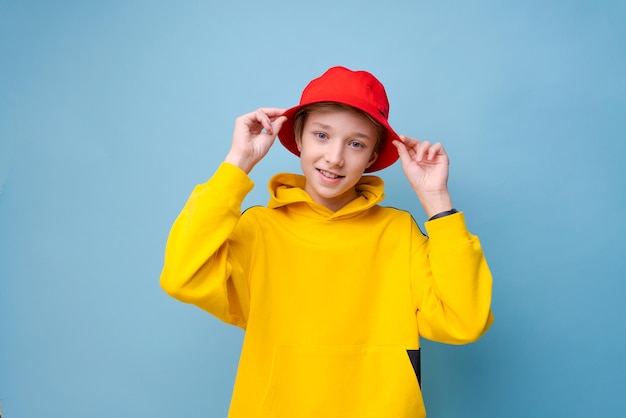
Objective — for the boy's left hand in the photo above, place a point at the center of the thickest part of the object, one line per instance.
(426, 166)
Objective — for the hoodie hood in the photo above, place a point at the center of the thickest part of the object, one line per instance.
(287, 189)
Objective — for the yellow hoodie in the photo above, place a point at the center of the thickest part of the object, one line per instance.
(333, 303)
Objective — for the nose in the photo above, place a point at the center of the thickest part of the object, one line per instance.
(334, 153)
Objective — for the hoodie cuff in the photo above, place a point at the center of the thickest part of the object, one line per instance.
(228, 182)
(447, 232)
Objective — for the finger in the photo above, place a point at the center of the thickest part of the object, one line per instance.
(252, 118)
(278, 124)
(403, 152)
(435, 150)
(413, 147)
(263, 118)
(422, 150)
(272, 112)
(409, 142)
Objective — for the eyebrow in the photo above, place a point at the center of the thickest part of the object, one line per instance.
(328, 127)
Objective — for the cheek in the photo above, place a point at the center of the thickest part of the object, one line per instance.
(308, 149)
(306, 157)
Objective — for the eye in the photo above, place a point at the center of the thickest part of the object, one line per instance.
(356, 144)
(321, 135)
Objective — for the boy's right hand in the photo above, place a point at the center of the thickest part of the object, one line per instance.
(253, 136)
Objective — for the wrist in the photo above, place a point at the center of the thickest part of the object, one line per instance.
(436, 202)
(238, 160)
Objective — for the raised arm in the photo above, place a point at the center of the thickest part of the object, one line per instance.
(208, 247)
(455, 284)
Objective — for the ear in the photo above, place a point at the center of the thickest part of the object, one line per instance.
(299, 144)
(372, 159)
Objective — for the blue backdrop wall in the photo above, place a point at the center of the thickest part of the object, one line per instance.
(110, 113)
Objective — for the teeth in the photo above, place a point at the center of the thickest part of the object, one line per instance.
(329, 175)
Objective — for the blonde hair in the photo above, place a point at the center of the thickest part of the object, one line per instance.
(301, 116)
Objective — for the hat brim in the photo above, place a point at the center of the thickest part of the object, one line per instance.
(387, 152)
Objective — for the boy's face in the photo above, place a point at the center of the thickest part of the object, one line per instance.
(336, 148)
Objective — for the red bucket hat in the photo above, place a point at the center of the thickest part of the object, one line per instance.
(358, 89)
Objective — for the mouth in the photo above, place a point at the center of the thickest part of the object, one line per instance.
(329, 175)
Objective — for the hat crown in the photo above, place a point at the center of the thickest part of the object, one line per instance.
(339, 84)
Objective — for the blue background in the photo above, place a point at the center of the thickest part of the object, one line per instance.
(110, 113)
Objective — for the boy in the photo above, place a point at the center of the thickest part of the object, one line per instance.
(332, 289)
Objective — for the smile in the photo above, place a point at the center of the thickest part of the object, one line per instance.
(328, 174)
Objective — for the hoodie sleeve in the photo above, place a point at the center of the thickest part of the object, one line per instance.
(205, 262)
(454, 284)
